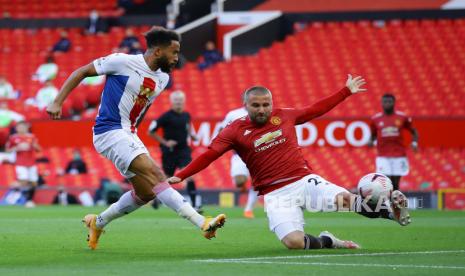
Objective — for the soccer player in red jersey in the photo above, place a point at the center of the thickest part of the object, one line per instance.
(266, 141)
(25, 144)
(386, 128)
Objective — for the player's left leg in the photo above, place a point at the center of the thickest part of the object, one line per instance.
(284, 208)
(394, 208)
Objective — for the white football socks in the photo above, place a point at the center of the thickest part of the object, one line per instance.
(251, 200)
(174, 200)
(129, 202)
(126, 204)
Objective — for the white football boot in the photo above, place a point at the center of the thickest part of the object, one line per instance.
(337, 243)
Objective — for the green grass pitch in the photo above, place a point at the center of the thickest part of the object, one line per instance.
(51, 241)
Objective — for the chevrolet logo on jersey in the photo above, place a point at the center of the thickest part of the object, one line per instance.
(268, 137)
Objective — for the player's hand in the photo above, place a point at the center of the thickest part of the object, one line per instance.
(54, 110)
(174, 180)
(355, 84)
(415, 146)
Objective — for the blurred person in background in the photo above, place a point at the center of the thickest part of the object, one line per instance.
(76, 165)
(210, 56)
(136, 48)
(44, 96)
(126, 44)
(386, 129)
(6, 89)
(63, 44)
(46, 71)
(25, 144)
(176, 153)
(96, 24)
(64, 198)
(7, 119)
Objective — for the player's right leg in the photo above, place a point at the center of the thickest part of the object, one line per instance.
(149, 181)
(131, 158)
(284, 208)
(252, 198)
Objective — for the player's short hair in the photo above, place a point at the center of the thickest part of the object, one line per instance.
(159, 36)
(177, 93)
(255, 90)
(23, 123)
(389, 95)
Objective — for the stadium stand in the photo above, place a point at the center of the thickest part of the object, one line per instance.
(316, 61)
(27, 9)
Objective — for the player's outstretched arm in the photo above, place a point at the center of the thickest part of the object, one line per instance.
(198, 164)
(54, 109)
(353, 86)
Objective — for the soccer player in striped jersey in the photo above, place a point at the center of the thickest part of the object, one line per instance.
(132, 84)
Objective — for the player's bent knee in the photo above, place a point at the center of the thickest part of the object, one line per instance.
(294, 240)
(344, 199)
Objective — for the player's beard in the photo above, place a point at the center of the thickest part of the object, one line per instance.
(260, 119)
(164, 64)
(389, 110)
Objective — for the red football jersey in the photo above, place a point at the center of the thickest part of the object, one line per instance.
(388, 129)
(270, 151)
(25, 153)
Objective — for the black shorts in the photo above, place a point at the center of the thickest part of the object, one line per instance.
(176, 159)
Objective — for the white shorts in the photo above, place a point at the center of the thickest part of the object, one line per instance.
(397, 166)
(120, 147)
(238, 166)
(24, 173)
(284, 206)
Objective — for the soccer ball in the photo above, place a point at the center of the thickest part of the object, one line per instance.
(375, 186)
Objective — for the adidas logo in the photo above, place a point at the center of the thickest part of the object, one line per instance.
(247, 132)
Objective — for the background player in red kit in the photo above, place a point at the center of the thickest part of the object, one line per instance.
(386, 128)
(266, 141)
(25, 144)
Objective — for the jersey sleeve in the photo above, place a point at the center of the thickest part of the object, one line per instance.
(224, 141)
(111, 64)
(408, 123)
(303, 115)
(153, 126)
(158, 123)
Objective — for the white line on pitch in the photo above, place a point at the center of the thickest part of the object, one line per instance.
(346, 264)
(331, 255)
